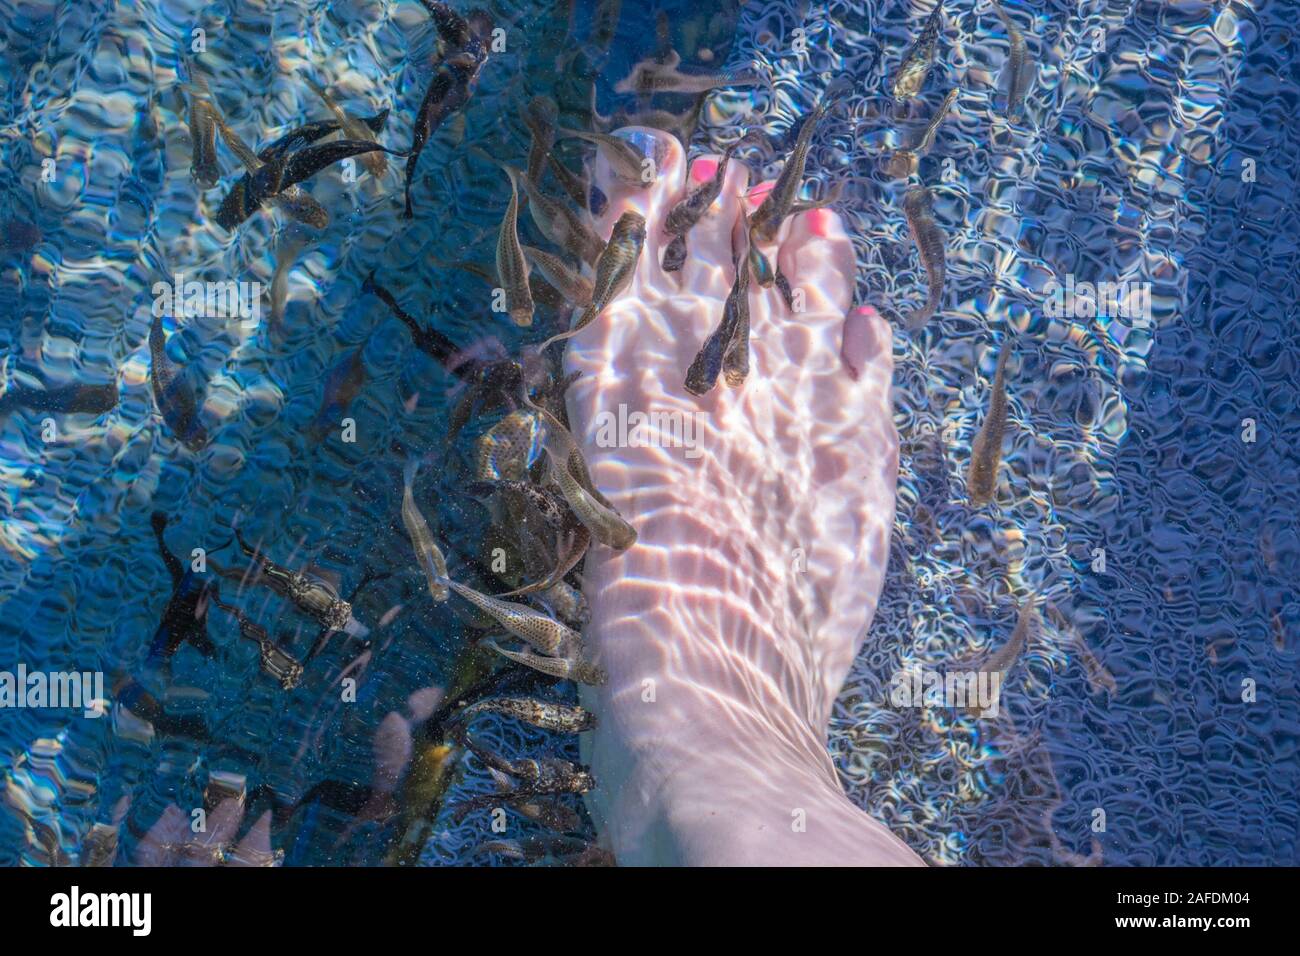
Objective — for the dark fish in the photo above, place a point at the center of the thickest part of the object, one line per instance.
(707, 365)
(353, 129)
(174, 396)
(275, 661)
(1018, 68)
(735, 361)
(767, 219)
(185, 619)
(614, 271)
(682, 218)
(430, 341)
(74, 399)
(278, 174)
(675, 254)
(930, 242)
(454, 82)
(292, 200)
(919, 59)
(343, 383)
(986, 449)
(297, 138)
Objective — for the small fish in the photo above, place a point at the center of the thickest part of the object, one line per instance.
(575, 669)
(292, 200)
(567, 603)
(454, 81)
(903, 162)
(708, 363)
(675, 254)
(575, 186)
(919, 59)
(512, 267)
(354, 129)
(1002, 660)
(783, 286)
(651, 76)
(297, 138)
(930, 242)
(592, 508)
(285, 256)
(203, 135)
(74, 399)
(546, 714)
(1018, 68)
(777, 204)
(986, 449)
(735, 361)
(427, 552)
(547, 505)
(614, 271)
(308, 593)
(174, 396)
(508, 449)
(682, 218)
(557, 221)
(428, 340)
(628, 163)
(543, 633)
(277, 175)
(540, 116)
(577, 289)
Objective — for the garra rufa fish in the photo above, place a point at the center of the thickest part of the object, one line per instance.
(917, 62)
(930, 242)
(174, 396)
(986, 449)
(614, 271)
(512, 267)
(354, 129)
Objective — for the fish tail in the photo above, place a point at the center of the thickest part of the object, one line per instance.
(410, 470)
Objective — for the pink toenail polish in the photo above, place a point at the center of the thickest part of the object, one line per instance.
(819, 222)
(704, 169)
(759, 192)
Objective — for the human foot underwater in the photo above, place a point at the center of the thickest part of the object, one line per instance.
(762, 510)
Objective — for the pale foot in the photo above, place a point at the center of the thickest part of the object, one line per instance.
(728, 628)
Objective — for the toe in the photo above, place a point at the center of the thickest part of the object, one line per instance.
(708, 270)
(666, 169)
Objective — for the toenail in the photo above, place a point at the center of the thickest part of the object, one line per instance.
(819, 222)
(704, 169)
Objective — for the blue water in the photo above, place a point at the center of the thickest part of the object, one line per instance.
(1124, 435)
